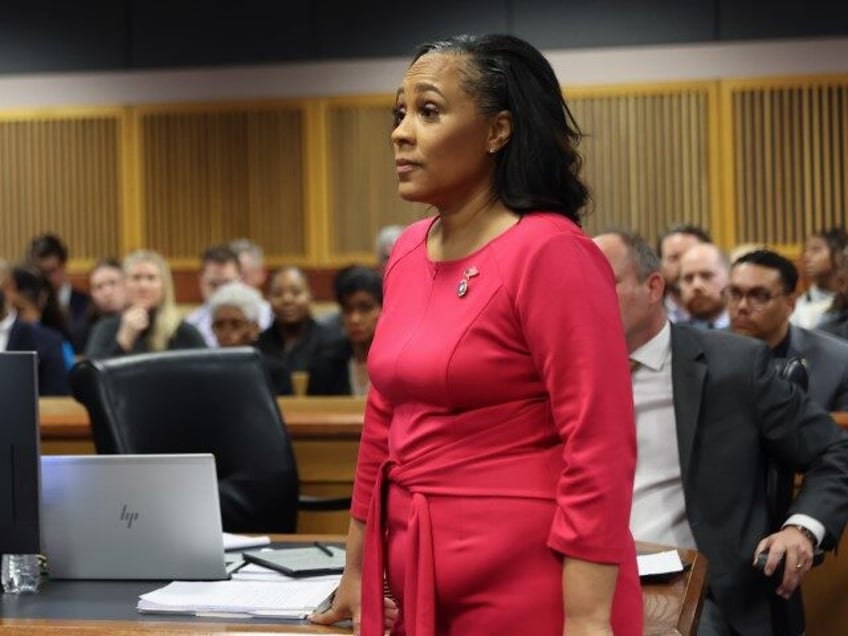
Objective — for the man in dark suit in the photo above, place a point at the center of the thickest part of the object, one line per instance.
(760, 300)
(49, 254)
(16, 335)
(710, 413)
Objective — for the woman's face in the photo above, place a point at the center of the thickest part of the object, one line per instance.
(232, 328)
(816, 258)
(108, 290)
(441, 140)
(144, 285)
(290, 297)
(360, 312)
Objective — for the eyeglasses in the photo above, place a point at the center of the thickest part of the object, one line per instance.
(757, 297)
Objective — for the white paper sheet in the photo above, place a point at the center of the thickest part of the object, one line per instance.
(659, 563)
(241, 542)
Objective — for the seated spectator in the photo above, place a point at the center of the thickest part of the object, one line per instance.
(107, 285)
(253, 272)
(235, 309)
(220, 266)
(33, 299)
(386, 239)
(823, 257)
(703, 276)
(50, 255)
(835, 319)
(151, 322)
(18, 335)
(710, 414)
(671, 246)
(760, 299)
(294, 337)
(341, 367)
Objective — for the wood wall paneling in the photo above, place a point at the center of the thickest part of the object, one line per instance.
(210, 176)
(362, 180)
(61, 172)
(647, 156)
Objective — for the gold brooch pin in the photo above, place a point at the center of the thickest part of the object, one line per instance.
(467, 275)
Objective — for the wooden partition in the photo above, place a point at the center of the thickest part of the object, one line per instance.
(649, 154)
(311, 180)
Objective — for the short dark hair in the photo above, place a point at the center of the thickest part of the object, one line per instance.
(354, 278)
(539, 167)
(645, 260)
(47, 245)
(220, 254)
(772, 260)
(683, 228)
(110, 262)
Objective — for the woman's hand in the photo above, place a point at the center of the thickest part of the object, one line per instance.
(347, 602)
(134, 320)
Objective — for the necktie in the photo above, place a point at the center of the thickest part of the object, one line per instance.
(634, 365)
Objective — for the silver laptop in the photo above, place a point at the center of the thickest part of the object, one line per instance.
(131, 517)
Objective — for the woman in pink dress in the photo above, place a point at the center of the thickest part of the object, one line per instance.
(495, 472)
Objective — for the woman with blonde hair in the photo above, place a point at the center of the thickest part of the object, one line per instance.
(151, 321)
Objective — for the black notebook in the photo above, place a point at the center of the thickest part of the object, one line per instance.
(313, 560)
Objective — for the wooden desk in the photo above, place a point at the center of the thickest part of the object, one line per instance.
(671, 607)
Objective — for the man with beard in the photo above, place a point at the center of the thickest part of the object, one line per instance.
(703, 276)
(670, 248)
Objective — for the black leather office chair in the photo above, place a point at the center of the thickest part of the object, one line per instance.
(215, 401)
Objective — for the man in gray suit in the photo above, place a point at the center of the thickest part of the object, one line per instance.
(710, 414)
(760, 299)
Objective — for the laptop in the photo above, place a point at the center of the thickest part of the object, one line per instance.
(131, 517)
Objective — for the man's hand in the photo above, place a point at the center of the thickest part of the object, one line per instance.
(797, 550)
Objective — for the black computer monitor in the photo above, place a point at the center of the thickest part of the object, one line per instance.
(19, 453)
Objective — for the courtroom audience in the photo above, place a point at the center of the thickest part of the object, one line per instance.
(19, 335)
(295, 336)
(235, 309)
(49, 254)
(107, 286)
(151, 321)
(711, 413)
(219, 266)
(33, 299)
(760, 300)
(703, 277)
(252, 260)
(340, 368)
(671, 246)
(822, 260)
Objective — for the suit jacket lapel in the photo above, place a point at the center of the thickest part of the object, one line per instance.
(688, 371)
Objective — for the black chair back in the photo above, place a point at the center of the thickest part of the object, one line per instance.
(215, 401)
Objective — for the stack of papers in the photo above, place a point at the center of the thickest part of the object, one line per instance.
(280, 598)
(242, 542)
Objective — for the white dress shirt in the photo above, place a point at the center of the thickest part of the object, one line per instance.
(659, 510)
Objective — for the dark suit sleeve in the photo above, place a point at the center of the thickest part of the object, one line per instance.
(102, 342)
(52, 371)
(804, 437)
(187, 337)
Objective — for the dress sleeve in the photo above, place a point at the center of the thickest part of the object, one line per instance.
(373, 450)
(568, 311)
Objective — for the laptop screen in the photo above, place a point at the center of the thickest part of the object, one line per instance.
(131, 517)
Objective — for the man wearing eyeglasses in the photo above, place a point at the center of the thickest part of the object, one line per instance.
(760, 299)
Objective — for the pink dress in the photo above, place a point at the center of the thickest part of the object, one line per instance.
(498, 436)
